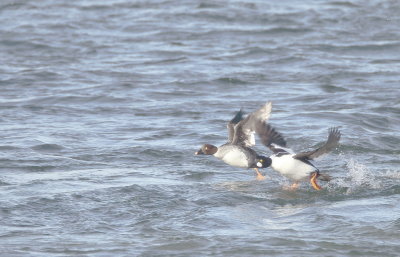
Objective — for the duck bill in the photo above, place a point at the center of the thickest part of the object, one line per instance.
(199, 152)
(313, 181)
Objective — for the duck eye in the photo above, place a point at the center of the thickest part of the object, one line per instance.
(261, 160)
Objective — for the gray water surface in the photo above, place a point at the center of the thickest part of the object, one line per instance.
(103, 104)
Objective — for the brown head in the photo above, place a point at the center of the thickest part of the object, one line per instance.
(207, 149)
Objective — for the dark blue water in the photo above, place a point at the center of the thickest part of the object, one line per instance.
(103, 104)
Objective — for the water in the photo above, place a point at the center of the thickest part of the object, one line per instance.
(103, 104)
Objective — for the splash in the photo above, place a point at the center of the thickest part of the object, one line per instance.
(358, 177)
(392, 174)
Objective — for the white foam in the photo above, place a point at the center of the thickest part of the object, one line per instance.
(358, 176)
(361, 176)
(392, 174)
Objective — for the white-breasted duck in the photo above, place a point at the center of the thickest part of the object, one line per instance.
(296, 166)
(237, 151)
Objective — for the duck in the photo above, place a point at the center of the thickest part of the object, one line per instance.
(237, 150)
(296, 166)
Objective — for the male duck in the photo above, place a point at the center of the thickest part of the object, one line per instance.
(237, 152)
(296, 167)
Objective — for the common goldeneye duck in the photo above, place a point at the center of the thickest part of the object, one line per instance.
(237, 151)
(296, 166)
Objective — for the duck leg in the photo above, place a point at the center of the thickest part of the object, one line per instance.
(313, 181)
(292, 187)
(259, 175)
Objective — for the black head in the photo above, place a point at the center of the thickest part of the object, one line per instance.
(263, 162)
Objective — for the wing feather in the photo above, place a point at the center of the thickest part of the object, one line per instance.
(244, 130)
(231, 124)
(332, 142)
(271, 138)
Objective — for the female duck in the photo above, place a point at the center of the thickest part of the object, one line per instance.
(237, 152)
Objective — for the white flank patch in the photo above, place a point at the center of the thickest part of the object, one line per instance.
(291, 168)
(236, 158)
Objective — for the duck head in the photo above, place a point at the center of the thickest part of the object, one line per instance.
(207, 149)
(263, 162)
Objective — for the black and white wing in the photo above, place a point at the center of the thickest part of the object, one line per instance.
(244, 131)
(332, 142)
(231, 125)
(272, 138)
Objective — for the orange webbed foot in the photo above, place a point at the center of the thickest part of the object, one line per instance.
(313, 181)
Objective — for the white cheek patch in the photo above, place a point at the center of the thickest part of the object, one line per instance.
(259, 164)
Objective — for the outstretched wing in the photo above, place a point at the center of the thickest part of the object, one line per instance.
(332, 142)
(271, 138)
(231, 124)
(245, 129)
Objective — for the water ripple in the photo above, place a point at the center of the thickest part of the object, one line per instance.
(104, 103)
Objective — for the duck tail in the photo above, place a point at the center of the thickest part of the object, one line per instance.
(324, 177)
